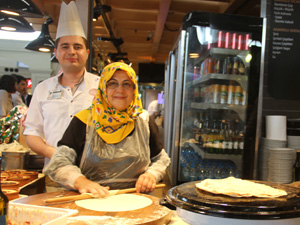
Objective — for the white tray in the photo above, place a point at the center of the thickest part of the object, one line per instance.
(18, 214)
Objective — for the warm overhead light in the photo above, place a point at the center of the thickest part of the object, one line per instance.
(23, 7)
(8, 28)
(14, 23)
(44, 49)
(44, 42)
(194, 55)
(10, 12)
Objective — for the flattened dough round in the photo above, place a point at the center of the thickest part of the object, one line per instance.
(115, 203)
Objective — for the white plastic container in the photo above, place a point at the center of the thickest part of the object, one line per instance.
(18, 214)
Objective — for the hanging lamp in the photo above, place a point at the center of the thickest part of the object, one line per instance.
(14, 23)
(24, 8)
(44, 42)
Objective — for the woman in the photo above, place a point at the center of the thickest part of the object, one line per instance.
(113, 144)
(8, 86)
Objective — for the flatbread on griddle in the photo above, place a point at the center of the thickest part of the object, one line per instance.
(236, 187)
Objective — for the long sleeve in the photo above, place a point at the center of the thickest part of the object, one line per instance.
(63, 166)
(159, 158)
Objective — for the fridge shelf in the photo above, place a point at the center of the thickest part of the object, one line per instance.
(239, 109)
(221, 51)
(241, 79)
(237, 159)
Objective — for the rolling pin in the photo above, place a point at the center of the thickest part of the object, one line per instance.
(89, 195)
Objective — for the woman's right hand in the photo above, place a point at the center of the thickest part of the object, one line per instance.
(84, 185)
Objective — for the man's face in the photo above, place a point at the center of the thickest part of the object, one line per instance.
(22, 87)
(72, 53)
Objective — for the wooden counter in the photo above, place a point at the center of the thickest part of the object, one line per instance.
(155, 214)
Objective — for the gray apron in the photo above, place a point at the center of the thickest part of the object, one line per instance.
(116, 165)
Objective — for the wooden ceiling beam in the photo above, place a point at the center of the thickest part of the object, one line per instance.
(237, 5)
(134, 4)
(160, 24)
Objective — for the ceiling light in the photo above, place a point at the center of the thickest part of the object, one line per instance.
(44, 42)
(14, 23)
(23, 7)
(194, 55)
(10, 12)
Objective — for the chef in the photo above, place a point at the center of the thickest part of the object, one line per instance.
(114, 143)
(56, 100)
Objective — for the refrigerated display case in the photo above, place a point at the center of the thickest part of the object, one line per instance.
(211, 95)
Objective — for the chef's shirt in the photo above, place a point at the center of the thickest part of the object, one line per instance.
(53, 106)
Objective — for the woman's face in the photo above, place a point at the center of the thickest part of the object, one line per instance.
(120, 90)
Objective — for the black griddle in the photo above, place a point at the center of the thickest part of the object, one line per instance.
(188, 197)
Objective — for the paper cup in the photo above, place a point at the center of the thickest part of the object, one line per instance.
(276, 128)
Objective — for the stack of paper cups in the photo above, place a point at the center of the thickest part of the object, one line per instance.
(276, 127)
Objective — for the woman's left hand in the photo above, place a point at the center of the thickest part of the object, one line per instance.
(145, 183)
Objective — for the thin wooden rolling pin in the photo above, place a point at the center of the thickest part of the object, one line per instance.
(88, 195)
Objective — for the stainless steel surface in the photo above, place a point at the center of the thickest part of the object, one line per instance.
(15, 160)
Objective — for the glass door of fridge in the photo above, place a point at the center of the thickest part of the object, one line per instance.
(214, 105)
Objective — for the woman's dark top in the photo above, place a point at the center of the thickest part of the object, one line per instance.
(74, 137)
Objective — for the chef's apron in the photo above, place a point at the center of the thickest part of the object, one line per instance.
(117, 165)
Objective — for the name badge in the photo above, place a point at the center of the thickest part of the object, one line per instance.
(54, 94)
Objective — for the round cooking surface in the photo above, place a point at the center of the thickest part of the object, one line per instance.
(187, 196)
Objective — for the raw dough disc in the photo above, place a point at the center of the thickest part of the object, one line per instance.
(115, 203)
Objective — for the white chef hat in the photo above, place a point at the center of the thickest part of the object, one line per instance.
(69, 22)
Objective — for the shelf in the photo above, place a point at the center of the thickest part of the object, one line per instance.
(221, 51)
(239, 109)
(237, 159)
(241, 79)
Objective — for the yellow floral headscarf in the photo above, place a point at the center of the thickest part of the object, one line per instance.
(111, 124)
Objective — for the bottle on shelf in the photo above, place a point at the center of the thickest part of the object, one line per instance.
(223, 94)
(238, 139)
(227, 66)
(228, 138)
(215, 88)
(3, 203)
(244, 96)
(241, 70)
(218, 66)
(230, 94)
(237, 95)
(196, 73)
(221, 136)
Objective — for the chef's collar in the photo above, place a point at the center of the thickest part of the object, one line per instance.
(74, 89)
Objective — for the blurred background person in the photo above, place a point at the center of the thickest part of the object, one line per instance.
(18, 97)
(8, 86)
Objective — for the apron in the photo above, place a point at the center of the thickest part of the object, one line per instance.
(117, 165)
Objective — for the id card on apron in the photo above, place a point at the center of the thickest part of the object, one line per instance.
(55, 94)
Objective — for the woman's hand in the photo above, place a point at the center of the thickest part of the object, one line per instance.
(84, 185)
(145, 183)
